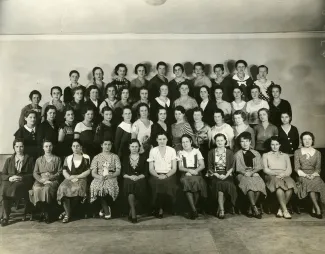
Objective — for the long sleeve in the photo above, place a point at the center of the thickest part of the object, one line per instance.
(58, 173)
(252, 132)
(238, 166)
(295, 138)
(5, 171)
(258, 165)
(297, 161)
(36, 173)
(118, 139)
(288, 163)
(318, 162)
(229, 160)
(211, 161)
(230, 135)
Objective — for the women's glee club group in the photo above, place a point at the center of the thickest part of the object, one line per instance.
(146, 141)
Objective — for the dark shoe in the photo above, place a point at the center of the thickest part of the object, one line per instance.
(256, 213)
(31, 218)
(47, 218)
(129, 218)
(66, 219)
(192, 215)
(319, 216)
(313, 214)
(4, 222)
(24, 218)
(160, 215)
(134, 220)
(41, 218)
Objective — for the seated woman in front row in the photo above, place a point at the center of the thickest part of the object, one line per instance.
(162, 167)
(191, 163)
(219, 173)
(308, 167)
(247, 163)
(277, 167)
(74, 188)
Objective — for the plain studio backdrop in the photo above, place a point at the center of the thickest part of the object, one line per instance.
(81, 35)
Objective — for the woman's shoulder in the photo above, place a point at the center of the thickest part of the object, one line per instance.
(229, 152)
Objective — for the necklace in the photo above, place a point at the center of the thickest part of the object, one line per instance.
(134, 161)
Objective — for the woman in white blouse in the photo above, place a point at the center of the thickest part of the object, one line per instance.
(162, 168)
(238, 103)
(254, 105)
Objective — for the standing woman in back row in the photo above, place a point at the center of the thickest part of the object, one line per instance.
(98, 76)
(120, 81)
(67, 92)
(35, 97)
(138, 83)
(241, 79)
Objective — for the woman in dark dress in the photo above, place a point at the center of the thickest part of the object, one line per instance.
(47, 174)
(30, 134)
(134, 172)
(278, 105)
(66, 133)
(207, 105)
(140, 82)
(159, 127)
(77, 103)
(220, 168)
(241, 79)
(49, 129)
(17, 180)
(68, 91)
(123, 133)
(94, 102)
(191, 163)
(74, 187)
(120, 82)
(35, 97)
(157, 81)
(162, 102)
(85, 132)
(106, 130)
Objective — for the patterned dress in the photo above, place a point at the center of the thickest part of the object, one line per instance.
(105, 164)
(178, 129)
(120, 85)
(45, 170)
(69, 188)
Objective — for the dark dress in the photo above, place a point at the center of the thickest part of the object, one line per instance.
(46, 131)
(225, 162)
(246, 86)
(173, 89)
(208, 113)
(31, 141)
(67, 93)
(275, 111)
(135, 88)
(157, 104)
(154, 86)
(64, 148)
(86, 136)
(77, 109)
(155, 129)
(97, 116)
(17, 190)
(227, 86)
(139, 187)
(289, 142)
(120, 85)
(104, 132)
(122, 139)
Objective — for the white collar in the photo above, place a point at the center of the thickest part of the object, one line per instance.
(69, 160)
(125, 126)
(235, 77)
(286, 132)
(308, 151)
(162, 103)
(29, 129)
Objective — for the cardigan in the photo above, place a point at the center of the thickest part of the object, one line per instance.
(289, 142)
(239, 163)
(208, 113)
(211, 160)
(9, 169)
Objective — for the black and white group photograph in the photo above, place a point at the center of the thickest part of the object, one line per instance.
(162, 126)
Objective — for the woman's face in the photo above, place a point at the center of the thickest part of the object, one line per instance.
(121, 72)
(108, 115)
(76, 147)
(31, 119)
(238, 119)
(107, 146)
(141, 72)
(241, 68)
(161, 70)
(162, 115)
(69, 116)
(89, 115)
(186, 143)
(47, 147)
(263, 116)
(218, 118)
(93, 94)
(218, 94)
(111, 92)
(125, 94)
(220, 142)
(285, 118)
(307, 141)
(204, 94)
(56, 94)
(262, 72)
(218, 71)
(19, 148)
(197, 116)
(275, 92)
(144, 94)
(237, 93)
(164, 90)
(198, 70)
(245, 143)
(143, 112)
(184, 90)
(78, 95)
(51, 114)
(98, 75)
(74, 78)
(36, 99)
(162, 140)
(179, 116)
(255, 93)
(127, 115)
(134, 148)
(275, 146)
(178, 72)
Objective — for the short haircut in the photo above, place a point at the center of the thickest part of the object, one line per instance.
(142, 104)
(106, 108)
(274, 138)
(245, 135)
(134, 140)
(35, 92)
(120, 65)
(198, 64)
(28, 112)
(276, 86)
(158, 111)
(56, 88)
(178, 65)
(238, 87)
(106, 140)
(263, 66)
(218, 110)
(161, 63)
(184, 83)
(49, 107)
(180, 109)
(126, 107)
(240, 113)
(287, 113)
(66, 109)
(241, 61)
(160, 133)
(307, 133)
(78, 88)
(108, 86)
(76, 140)
(255, 87)
(74, 71)
(218, 87)
(198, 109)
(206, 87)
(187, 136)
(140, 65)
(219, 66)
(46, 141)
(18, 140)
(97, 68)
(220, 135)
(263, 109)
(92, 87)
(86, 109)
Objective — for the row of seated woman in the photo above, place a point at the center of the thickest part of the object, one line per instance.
(222, 176)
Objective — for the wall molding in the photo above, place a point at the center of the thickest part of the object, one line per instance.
(239, 36)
